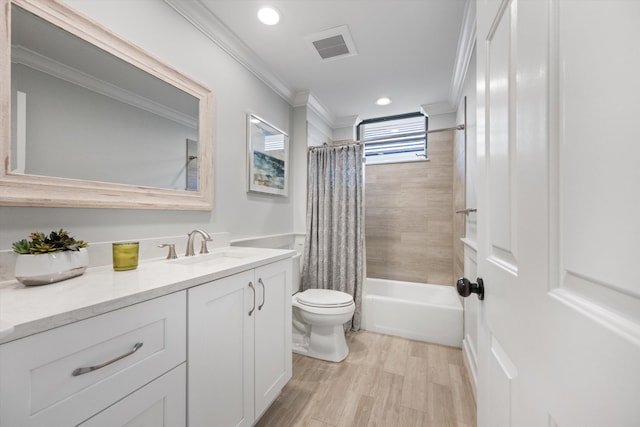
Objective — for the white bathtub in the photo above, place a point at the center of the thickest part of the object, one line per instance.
(418, 311)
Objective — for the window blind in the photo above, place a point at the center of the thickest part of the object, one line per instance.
(394, 135)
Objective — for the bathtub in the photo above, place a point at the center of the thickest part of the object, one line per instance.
(417, 311)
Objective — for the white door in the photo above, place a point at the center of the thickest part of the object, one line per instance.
(558, 211)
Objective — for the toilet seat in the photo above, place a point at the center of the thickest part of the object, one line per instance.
(324, 298)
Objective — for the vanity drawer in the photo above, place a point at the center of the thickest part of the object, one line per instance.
(38, 387)
(163, 402)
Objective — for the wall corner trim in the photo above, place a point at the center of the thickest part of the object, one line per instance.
(471, 244)
(471, 363)
(306, 98)
(466, 45)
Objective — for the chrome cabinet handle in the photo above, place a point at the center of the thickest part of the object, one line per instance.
(264, 297)
(254, 298)
(81, 371)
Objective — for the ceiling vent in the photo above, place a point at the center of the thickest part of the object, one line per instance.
(333, 44)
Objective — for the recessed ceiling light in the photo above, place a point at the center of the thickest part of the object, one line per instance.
(383, 101)
(268, 16)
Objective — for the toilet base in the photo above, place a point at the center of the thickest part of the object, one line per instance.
(324, 342)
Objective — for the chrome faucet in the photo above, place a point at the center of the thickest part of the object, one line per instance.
(191, 237)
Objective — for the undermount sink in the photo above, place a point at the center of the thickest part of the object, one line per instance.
(213, 258)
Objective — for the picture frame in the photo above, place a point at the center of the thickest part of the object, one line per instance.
(267, 158)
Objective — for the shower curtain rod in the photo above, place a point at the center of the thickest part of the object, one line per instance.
(343, 144)
(459, 127)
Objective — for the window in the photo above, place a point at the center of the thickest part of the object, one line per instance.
(395, 138)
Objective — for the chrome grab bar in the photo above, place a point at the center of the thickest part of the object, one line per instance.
(467, 211)
(264, 297)
(81, 371)
(254, 298)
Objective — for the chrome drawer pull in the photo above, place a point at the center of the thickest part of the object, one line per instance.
(263, 294)
(254, 298)
(80, 371)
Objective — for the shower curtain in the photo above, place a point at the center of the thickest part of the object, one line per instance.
(334, 244)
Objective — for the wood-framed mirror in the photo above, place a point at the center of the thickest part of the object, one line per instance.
(96, 122)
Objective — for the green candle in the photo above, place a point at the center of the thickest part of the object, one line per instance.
(125, 256)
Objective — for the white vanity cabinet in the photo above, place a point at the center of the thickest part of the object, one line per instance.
(65, 376)
(239, 345)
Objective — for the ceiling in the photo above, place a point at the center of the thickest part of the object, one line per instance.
(407, 50)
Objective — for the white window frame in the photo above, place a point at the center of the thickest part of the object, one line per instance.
(383, 138)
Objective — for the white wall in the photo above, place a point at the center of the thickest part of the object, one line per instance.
(344, 133)
(442, 121)
(299, 175)
(309, 130)
(318, 131)
(155, 27)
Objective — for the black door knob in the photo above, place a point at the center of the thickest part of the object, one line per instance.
(466, 287)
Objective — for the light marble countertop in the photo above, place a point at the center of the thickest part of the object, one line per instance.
(26, 310)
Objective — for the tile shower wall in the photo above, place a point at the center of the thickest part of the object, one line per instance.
(409, 216)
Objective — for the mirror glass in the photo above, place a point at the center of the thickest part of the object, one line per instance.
(79, 112)
(96, 121)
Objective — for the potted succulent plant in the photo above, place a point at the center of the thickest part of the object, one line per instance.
(49, 258)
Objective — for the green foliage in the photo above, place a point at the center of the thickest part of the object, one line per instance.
(56, 241)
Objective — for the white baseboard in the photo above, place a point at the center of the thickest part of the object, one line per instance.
(471, 363)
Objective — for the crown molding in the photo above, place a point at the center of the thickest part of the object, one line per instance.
(466, 45)
(44, 64)
(306, 98)
(438, 108)
(198, 15)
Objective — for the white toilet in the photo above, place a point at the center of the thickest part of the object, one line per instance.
(318, 319)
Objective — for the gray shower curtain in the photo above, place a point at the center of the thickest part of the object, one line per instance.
(334, 244)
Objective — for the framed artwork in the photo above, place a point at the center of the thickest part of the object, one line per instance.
(267, 158)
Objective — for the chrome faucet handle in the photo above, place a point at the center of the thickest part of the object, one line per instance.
(172, 250)
(203, 247)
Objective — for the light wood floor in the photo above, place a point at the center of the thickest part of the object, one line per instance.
(385, 381)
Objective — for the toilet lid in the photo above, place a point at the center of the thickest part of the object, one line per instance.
(324, 298)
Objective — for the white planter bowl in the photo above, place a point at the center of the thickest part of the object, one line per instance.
(43, 269)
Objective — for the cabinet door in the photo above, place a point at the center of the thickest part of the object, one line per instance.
(160, 403)
(272, 332)
(220, 352)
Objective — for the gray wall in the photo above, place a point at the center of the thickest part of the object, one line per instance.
(157, 28)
